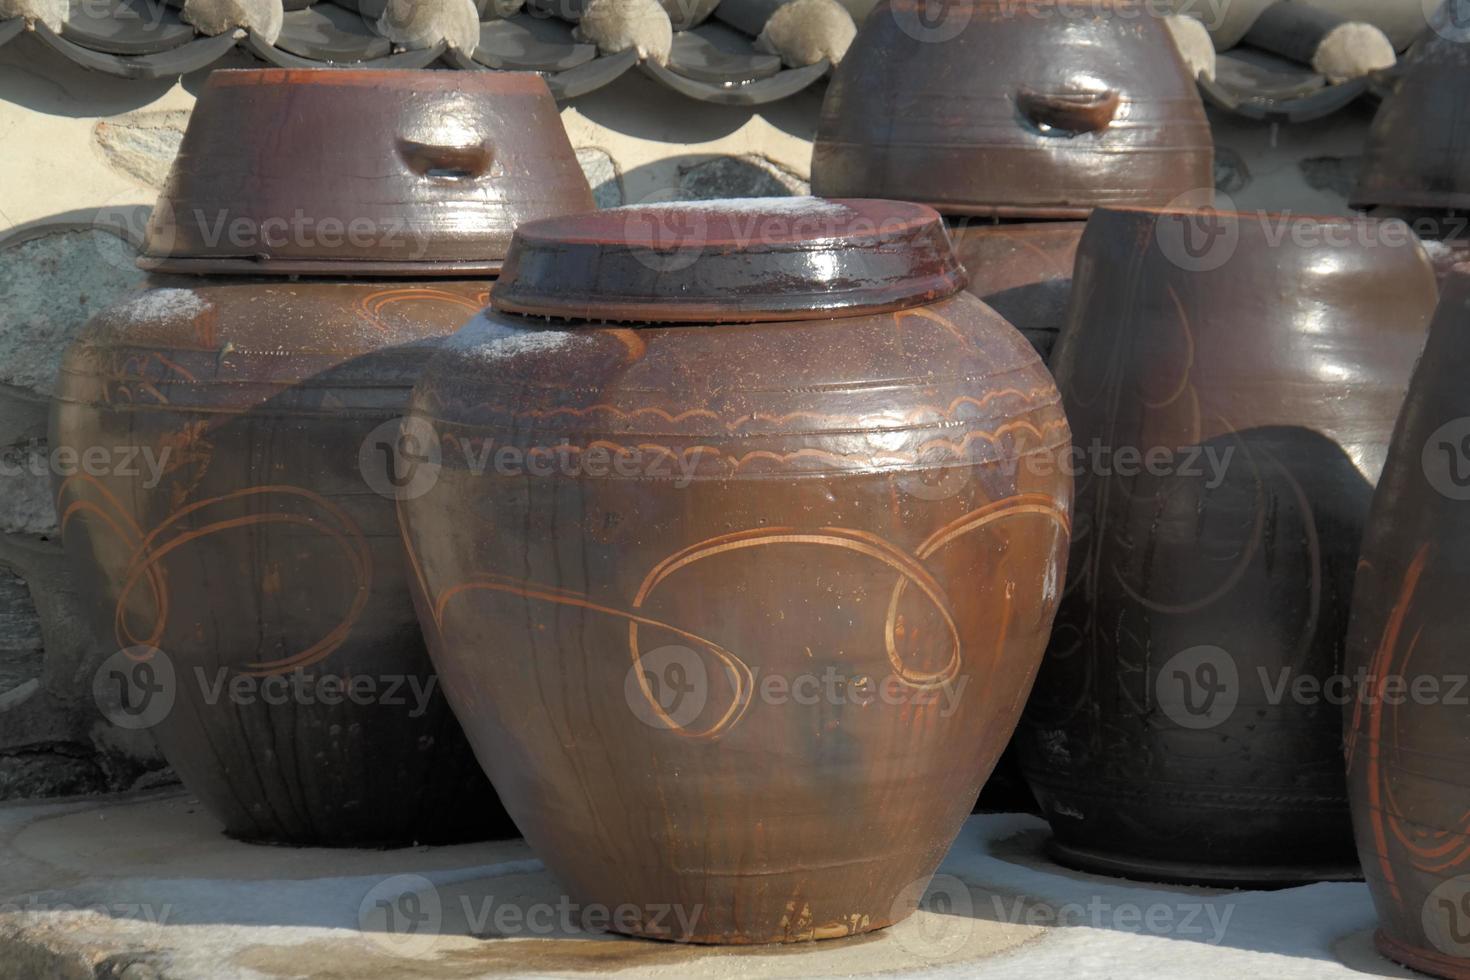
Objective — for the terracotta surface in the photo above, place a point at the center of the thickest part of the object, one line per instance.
(331, 172)
(951, 106)
(797, 259)
(254, 587)
(1160, 740)
(1407, 751)
(873, 499)
(1418, 154)
(1023, 271)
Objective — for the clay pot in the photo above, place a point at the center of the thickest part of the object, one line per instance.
(957, 110)
(1406, 728)
(1024, 271)
(1232, 383)
(1418, 153)
(366, 173)
(253, 580)
(761, 444)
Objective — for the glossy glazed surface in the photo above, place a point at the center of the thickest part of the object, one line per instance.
(1407, 751)
(341, 172)
(870, 504)
(262, 557)
(1023, 271)
(1263, 368)
(961, 112)
(1418, 153)
(735, 260)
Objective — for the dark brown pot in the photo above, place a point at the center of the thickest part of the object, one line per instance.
(433, 169)
(837, 466)
(255, 584)
(950, 105)
(1023, 271)
(1407, 729)
(1418, 153)
(1261, 360)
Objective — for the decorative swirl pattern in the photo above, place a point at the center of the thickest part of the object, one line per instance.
(149, 549)
(909, 570)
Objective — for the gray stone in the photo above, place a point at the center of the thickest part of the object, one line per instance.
(602, 174)
(50, 285)
(142, 145)
(58, 770)
(742, 176)
(53, 738)
(1336, 175)
(26, 506)
(20, 630)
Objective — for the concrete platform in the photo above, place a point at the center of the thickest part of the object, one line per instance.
(147, 888)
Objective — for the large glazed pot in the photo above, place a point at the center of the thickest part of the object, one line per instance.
(747, 598)
(951, 105)
(1232, 383)
(1418, 153)
(245, 563)
(948, 104)
(1408, 729)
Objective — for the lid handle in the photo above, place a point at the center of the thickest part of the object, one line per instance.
(1069, 113)
(436, 162)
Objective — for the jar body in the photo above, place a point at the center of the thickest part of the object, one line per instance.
(1406, 729)
(739, 617)
(1023, 271)
(245, 561)
(1230, 424)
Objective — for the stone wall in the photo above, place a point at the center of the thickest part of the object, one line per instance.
(53, 740)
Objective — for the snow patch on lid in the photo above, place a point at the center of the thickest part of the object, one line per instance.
(492, 340)
(162, 304)
(798, 206)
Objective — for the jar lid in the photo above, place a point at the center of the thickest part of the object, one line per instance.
(1040, 109)
(362, 172)
(730, 261)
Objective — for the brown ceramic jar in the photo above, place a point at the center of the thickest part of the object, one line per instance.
(1232, 383)
(950, 105)
(319, 233)
(1418, 153)
(745, 544)
(1407, 730)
